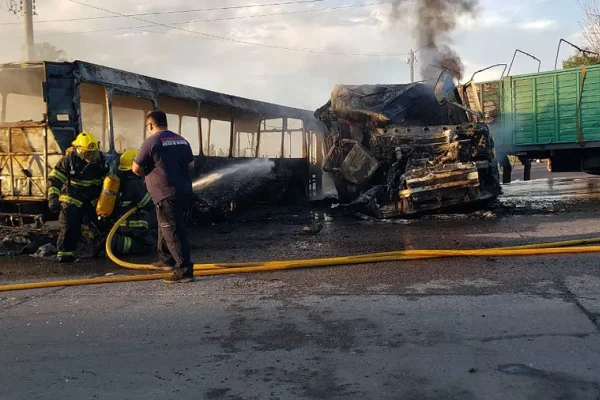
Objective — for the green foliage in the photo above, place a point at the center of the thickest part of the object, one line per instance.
(580, 60)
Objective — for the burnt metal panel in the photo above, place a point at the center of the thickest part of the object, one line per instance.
(87, 72)
(27, 154)
(359, 165)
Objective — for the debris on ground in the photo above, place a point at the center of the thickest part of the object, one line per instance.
(312, 229)
(484, 214)
(46, 250)
(304, 245)
(41, 242)
(18, 242)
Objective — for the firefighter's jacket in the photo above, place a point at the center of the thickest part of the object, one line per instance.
(76, 181)
(133, 193)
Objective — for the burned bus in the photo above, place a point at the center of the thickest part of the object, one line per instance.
(44, 105)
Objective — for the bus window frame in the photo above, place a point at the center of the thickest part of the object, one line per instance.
(197, 106)
(263, 129)
(287, 131)
(202, 114)
(110, 93)
(37, 90)
(3, 102)
(242, 122)
(107, 100)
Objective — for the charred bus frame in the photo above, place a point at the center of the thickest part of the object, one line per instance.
(52, 102)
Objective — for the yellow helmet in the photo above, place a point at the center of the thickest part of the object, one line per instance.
(126, 160)
(86, 141)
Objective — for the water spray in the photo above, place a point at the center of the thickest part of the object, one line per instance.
(246, 170)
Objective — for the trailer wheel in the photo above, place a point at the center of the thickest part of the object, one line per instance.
(566, 164)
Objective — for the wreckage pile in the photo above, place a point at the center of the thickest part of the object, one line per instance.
(393, 150)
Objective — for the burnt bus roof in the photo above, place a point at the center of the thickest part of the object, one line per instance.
(154, 87)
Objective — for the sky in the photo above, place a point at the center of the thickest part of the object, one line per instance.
(216, 59)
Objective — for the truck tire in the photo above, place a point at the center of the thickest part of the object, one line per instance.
(565, 164)
(590, 162)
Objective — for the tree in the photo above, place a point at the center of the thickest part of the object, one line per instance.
(215, 152)
(591, 24)
(581, 59)
(590, 30)
(47, 52)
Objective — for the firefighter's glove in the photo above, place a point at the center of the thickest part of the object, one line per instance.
(54, 204)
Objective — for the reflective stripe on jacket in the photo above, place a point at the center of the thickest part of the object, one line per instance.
(77, 180)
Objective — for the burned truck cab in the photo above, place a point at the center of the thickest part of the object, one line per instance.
(395, 150)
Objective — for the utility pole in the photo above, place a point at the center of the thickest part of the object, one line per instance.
(28, 16)
(411, 65)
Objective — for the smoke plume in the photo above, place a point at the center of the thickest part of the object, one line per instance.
(435, 21)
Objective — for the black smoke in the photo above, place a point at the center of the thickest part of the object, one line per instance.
(435, 21)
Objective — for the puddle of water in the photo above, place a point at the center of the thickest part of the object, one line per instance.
(552, 188)
(548, 194)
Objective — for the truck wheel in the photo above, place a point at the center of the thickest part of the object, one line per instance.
(565, 164)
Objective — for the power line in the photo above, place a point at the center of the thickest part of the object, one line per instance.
(285, 3)
(360, 5)
(214, 37)
(285, 12)
(211, 20)
(13, 7)
(233, 40)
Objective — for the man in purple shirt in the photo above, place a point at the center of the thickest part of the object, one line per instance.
(165, 160)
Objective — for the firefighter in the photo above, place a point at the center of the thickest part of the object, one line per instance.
(137, 235)
(75, 185)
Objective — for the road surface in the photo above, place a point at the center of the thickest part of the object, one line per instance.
(455, 328)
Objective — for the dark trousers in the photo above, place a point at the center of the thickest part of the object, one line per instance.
(70, 218)
(133, 242)
(173, 245)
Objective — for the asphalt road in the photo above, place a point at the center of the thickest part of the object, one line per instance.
(455, 328)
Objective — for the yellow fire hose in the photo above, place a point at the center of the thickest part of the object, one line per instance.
(210, 269)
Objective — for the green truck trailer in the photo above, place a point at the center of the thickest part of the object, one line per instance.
(554, 114)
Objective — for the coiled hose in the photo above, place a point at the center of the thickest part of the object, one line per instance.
(210, 269)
